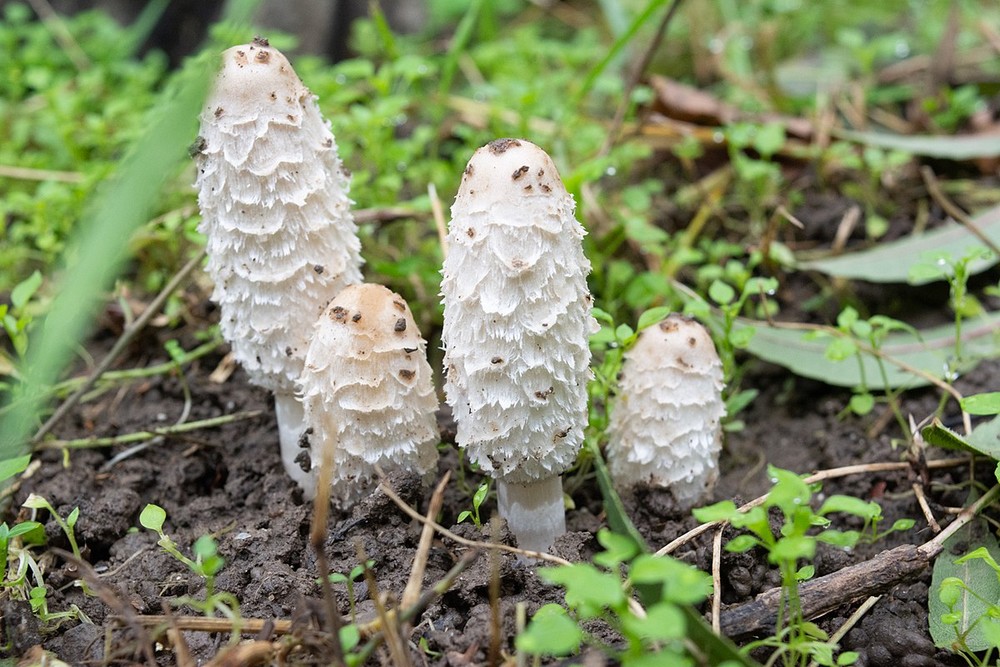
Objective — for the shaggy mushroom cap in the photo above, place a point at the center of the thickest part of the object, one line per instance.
(368, 391)
(516, 315)
(273, 196)
(665, 426)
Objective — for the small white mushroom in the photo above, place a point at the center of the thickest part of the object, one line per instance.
(368, 390)
(665, 425)
(517, 318)
(280, 237)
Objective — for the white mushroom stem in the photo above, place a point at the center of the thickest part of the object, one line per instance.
(291, 418)
(535, 512)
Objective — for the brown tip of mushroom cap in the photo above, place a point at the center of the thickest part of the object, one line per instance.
(679, 341)
(374, 311)
(256, 79)
(506, 171)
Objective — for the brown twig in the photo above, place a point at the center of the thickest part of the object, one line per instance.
(439, 222)
(387, 490)
(851, 622)
(182, 653)
(952, 209)
(717, 579)
(119, 346)
(317, 540)
(918, 491)
(390, 624)
(29, 174)
(412, 591)
(871, 577)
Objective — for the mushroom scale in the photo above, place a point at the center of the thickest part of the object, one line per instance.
(517, 319)
(368, 390)
(665, 428)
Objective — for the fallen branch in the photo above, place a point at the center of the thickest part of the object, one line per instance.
(872, 577)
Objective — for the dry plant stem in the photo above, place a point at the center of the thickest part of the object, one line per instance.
(952, 209)
(28, 174)
(858, 614)
(54, 23)
(413, 586)
(918, 491)
(636, 76)
(181, 651)
(439, 221)
(496, 622)
(717, 578)
(389, 623)
(832, 473)
(86, 443)
(119, 346)
(387, 490)
(251, 653)
(114, 600)
(317, 540)
(826, 593)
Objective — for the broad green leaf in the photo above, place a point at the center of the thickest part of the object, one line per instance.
(551, 632)
(652, 316)
(587, 589)
(984, 439)
(617, 549)
(948, 147)
(929, 352)
(152, 517)
(14, 466)
(682, 583)
(905, 260)
(975, 573)
(25, 289)
(663, 622)
(982, 404)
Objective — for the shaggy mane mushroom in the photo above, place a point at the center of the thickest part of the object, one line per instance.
(517, 317)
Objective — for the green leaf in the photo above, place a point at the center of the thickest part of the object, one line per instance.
(939, 435)
(349, 637)
(984, 439)
(974, 572)
(929, 352)
(908, 259)
(682, 583)
(652, 316)
(14, 466)
(480, 495)
(721, 511)
(551, 632)
(982, 404)
(862, 404)
(742, 543)
(152, 517)
(850, 505)
(587, 589)
(663, 622)
(948, 147)
(721, 293)
(617, 549)
(24, 290)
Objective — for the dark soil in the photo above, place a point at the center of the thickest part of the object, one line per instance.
(229, 482)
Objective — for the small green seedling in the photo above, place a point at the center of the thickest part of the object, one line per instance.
(67, 525)
(206, 564)
(9, 533)
(349, 580)
(477, 500)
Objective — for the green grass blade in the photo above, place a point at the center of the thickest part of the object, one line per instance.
(939, 146)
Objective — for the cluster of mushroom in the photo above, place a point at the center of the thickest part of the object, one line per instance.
(344, 359)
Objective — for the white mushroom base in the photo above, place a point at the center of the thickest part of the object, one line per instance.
(534, 512)
(291, 418)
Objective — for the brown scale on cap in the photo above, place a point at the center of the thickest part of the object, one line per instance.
(498, 146)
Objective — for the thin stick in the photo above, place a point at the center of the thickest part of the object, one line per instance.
(851, 622)
(636, 76)
(29, 174)
(413, 586)
(717, 579)
(496, 621)
(54, 23)
(918, 491)
(387, 490)
(214, 625)
(86, 443)
(439, 222)
(118, 347)
(952, 209)
(182, 652)
(317, 540)
(820, 476)
(389, 623)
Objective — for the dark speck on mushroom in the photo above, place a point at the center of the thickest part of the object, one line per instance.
(520, 172)
(339, 313)
(498, 146)
(260, 41)
(400, 325)
(318, 268)
(692, 341)
(288, 351)
(218, 112)
(406, 374)
(409, 350)
(496, 360)
(400, 306)
(304, 460)
(356, 317)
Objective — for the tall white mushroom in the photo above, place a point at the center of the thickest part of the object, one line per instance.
(517, 317)
(368, 390)
(665, 425)
(280, 237)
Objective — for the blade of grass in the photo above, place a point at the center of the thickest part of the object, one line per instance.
(99, 245)
(463, 34)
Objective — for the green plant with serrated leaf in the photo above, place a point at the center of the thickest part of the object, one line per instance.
(796, 641)
(206, 564)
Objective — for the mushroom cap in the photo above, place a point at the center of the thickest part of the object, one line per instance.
(517, 315)
(665, 427)
(367, 389)
(273, 195)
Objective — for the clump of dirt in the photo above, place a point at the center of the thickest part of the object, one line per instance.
(228, 482)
